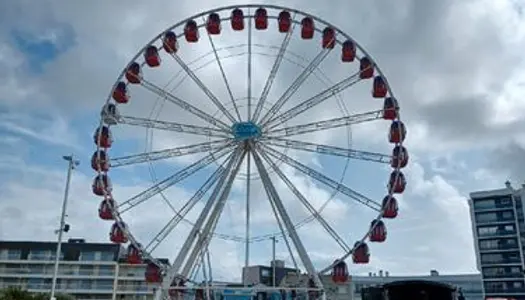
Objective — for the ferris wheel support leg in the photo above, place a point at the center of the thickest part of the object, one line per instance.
(273, 195)
(186, 247)
(205, 236)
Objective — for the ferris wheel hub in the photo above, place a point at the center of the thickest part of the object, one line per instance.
(247, 130)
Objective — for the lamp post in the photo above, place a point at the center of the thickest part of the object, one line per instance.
(63, 226)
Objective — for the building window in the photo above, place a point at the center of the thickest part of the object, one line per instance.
(265, 273)
(107, 256)
(40, 255)
(35, 283)
(85, 270)
(106, 270)
(11, 254)
(88, 256)
(485, 204)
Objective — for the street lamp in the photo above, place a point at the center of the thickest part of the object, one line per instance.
(63, 226)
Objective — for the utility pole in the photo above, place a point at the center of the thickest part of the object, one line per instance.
(63, 226)
(274, 241)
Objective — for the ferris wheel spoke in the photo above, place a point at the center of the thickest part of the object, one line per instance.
(203, 87)
(172, 126)
(283, 214)
(172, 180)
(329, 150)
(313, 101)
(248, 210)
(170, 153)
(226, 83)
(184, 105)
(188, 206)
(326, 124)
(273, 72)
(295, 86)
(307, 204)
(207, 232)
(323, 179)
(206, 213)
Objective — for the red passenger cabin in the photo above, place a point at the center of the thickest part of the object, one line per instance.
(133, 73)
(237, 19)
(117, 234)
(328, 41)
(101, 185)
(378, 233)
(366, 68)
(191, 32)
(340, 272)
(285, 21)
(153, 273)
(348, 51)
(397, 182)
(361, 253)
(102, 137)
(169, 42)
(399, 157)
(133, 255)
(151, 56)
(105, 209)
(397, 133)
(389, 207)
(213, 25)
(307, 28)
(379, 88)
(100, 161)
(120, 93)
(390, 108)
(261, 19)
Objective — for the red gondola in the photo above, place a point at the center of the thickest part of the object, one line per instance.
(213, 25)
(307, 28)
(361, 253)
(348, 51)
(379, 88)
(102, 137)
(169, 43)
(133, 255)
(397, 182)
(100, 161)
(191, 32)
(105, 208)
(328, 41)
(378, 234)
(120, 93)
(101, 185)
(151, 56)
(390, 207)
(285, 21)
(390, 108)
(340, 272)
(117, 234)
(261, 19)
(397, 132)
(366, 68)
(237, 19)
(399, 157)
(153, 273)
(133, 73)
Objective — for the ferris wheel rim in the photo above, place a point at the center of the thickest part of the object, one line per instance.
(117, 216)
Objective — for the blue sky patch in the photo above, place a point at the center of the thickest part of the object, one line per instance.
(39, 49)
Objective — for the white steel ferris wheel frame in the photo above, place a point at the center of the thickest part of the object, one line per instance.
(256, 147)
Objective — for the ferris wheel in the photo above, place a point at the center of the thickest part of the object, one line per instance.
(242, 119)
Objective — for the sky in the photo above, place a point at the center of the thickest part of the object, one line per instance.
(456, 68)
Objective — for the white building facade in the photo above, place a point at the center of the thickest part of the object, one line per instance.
(86, 270)
(498, 226)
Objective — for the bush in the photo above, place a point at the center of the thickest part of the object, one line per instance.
(13, 293)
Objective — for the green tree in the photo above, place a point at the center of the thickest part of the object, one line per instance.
(13, 293)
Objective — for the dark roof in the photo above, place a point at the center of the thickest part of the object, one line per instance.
(419, 282)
